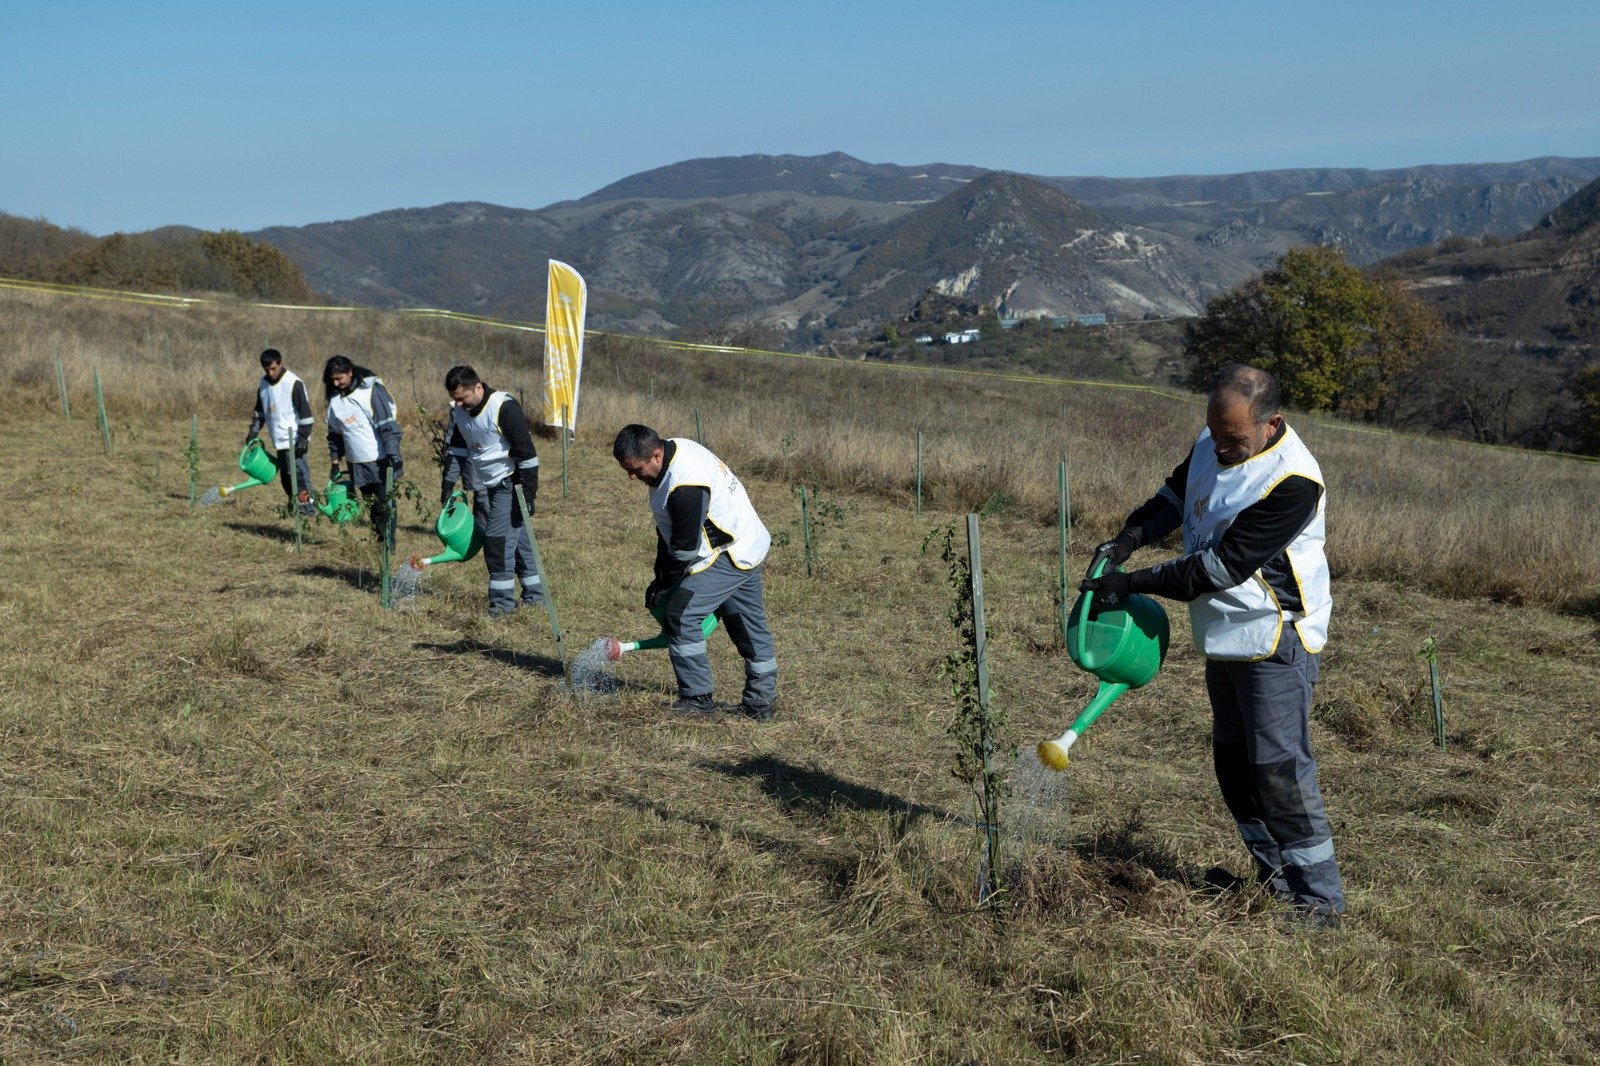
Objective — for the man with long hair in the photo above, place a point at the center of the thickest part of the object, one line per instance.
(362, 429)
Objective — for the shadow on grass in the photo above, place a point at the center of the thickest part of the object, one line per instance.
(284, 533)
(363, 580)
(542, 665)
(816, 792)
(1127, 843)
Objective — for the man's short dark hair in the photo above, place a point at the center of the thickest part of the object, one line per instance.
(461, 377)
(635, 442)
(1255, 387)
(270, 356)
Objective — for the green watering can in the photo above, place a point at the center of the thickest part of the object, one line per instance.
(460, 534)
(1123, 645)
(257, 463)
(339, 503)
(615, 647)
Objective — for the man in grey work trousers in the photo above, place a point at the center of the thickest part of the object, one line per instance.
(490, 447)
(1251, 503)
(710, 546)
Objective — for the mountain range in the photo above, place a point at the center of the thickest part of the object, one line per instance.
(829, 246)
(1540, 288)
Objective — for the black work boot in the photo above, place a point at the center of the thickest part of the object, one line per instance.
(756, 712)
(1220, 879)
(701, 707)
(1302, 919)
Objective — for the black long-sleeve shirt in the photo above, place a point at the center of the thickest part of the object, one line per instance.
(513, 425)
(1256, 540)
(687, 509)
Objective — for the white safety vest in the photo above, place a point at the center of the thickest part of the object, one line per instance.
(1244, 623)
(730, 510)
(352, 416)
(277, 409)
(487, 448)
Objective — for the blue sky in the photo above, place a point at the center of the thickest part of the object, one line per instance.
(128, 116)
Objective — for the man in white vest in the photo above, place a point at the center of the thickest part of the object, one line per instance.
(284, 410)
(489, 446)
(362, 429)
(710, 547)
(1251, 502)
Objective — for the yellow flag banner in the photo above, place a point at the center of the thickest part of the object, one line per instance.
(563, 345)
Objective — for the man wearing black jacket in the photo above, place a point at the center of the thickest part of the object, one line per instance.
(1250, 500)
(490, 448)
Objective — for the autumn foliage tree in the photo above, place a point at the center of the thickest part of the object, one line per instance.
(1586, 390)
(1336, 339)
(173, 259)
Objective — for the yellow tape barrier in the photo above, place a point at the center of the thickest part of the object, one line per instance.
(160, 299)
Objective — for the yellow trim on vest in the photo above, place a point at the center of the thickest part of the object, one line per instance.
(1289, 474)
(1268, 450)
(1276, 637)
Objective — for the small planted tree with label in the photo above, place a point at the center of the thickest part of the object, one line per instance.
(978, 723)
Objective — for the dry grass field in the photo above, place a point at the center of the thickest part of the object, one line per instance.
(247, 815)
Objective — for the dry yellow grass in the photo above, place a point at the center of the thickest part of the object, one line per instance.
(245, 814)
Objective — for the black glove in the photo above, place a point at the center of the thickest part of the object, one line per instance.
(652, 592)
(333, 472)
(1109, 588)
(1118, 551)
(248, 437)
(529, 480)
(300, 451)
(447, 490)
(398, 465)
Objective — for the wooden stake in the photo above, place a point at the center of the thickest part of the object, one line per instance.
(980, 652)
(919, 473)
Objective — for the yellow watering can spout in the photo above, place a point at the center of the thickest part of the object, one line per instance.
(1053, 753)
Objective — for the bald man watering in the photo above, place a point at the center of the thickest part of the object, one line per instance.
(1250, 500)
(710, 546)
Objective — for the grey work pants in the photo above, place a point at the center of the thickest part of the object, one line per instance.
(1261, 745)
(507, 551)
(301, 470)
(735, 597)
(368, 479)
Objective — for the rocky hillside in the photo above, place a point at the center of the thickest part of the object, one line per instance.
(1027, 249)
(823, 245)
(1541, 287)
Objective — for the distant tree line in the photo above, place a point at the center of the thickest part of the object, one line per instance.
(1347, 342)
(167, 260)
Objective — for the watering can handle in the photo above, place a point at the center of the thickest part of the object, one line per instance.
(460, 494)
(1096, 568)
